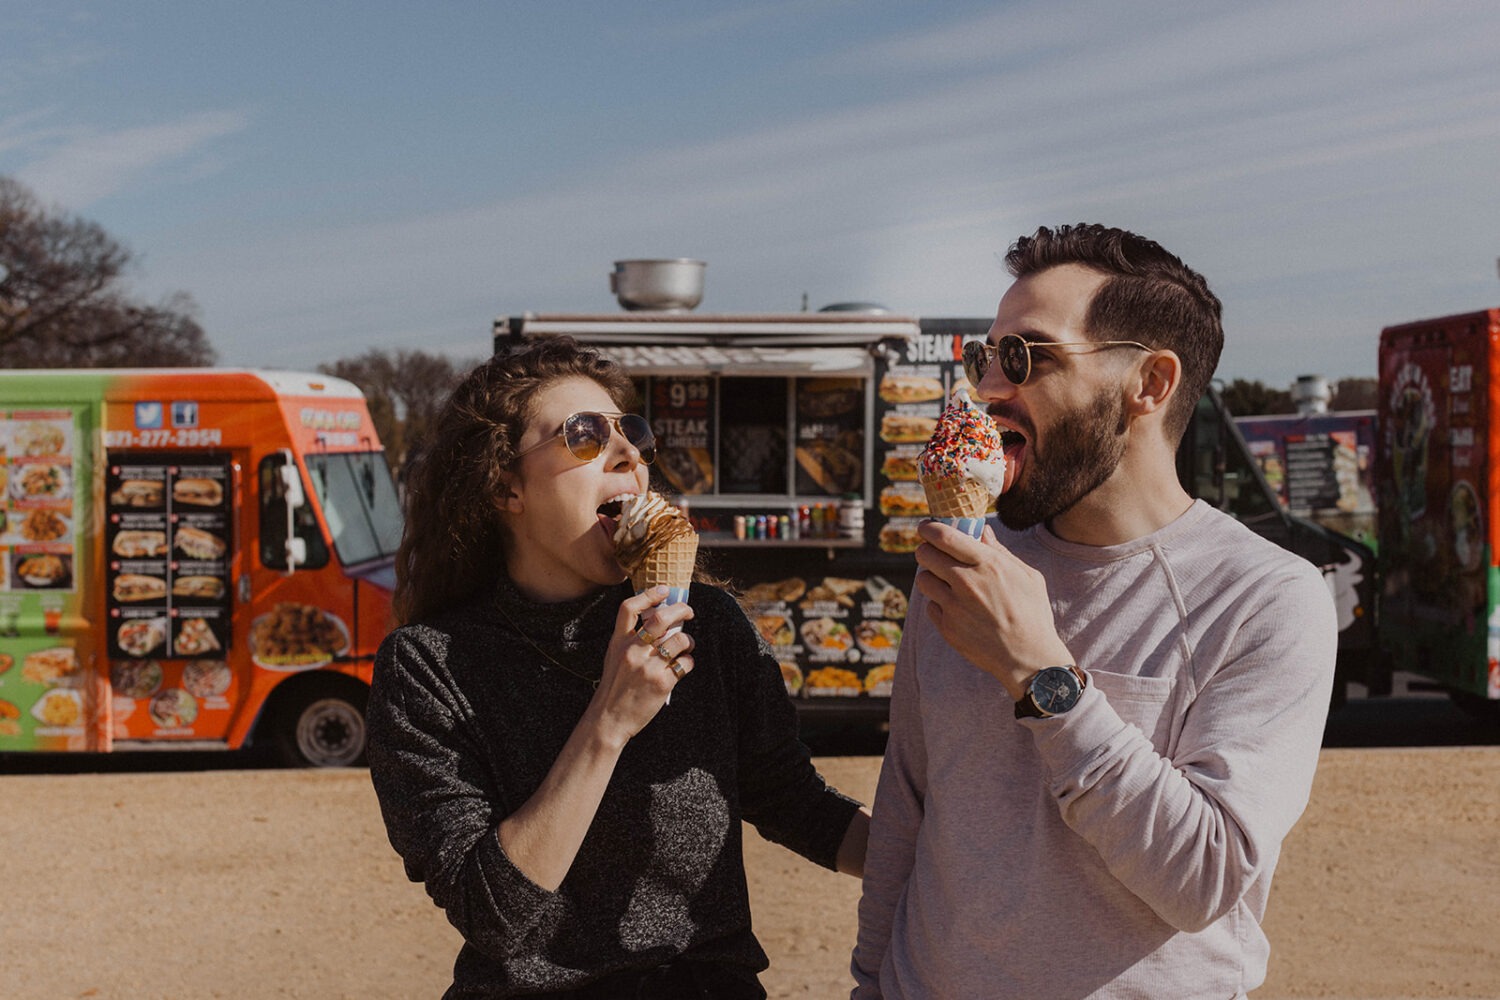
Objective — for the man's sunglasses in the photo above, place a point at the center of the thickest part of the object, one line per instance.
(1014, 355)
(586, 433)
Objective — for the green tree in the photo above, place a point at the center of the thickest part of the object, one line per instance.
(61, 304)
(1246, 398)
(1355, 394)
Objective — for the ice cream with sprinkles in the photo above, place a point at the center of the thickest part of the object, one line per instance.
(963, 466)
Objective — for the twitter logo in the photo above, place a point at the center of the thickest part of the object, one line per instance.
(148, 415)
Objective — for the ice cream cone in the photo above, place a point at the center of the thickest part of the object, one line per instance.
(669, 564)
(959, 501)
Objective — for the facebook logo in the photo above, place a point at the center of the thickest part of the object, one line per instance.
(184, 413)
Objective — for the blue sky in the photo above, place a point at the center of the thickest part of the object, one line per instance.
(328, 177)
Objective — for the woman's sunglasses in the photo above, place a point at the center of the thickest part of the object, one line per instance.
(1014, 355)
(586, 433)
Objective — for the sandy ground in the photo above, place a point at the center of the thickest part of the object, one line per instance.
(266, 884)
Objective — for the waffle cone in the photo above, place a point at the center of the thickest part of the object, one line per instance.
(956, 496)
(670, 563)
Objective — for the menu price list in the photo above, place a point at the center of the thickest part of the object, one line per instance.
(913, 397)
(38, 520)
(168, 527)
(834, 636)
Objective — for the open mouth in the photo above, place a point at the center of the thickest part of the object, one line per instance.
(1013, 446)
(609, 511)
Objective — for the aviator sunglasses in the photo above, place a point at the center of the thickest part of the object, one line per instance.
(1013, 352)
(587, 432)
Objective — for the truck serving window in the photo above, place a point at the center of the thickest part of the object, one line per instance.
(359, 503)
(273, 520)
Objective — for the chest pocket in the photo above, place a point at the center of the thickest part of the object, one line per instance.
(1142, 702)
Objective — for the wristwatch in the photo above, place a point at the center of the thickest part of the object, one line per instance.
(1053, 691)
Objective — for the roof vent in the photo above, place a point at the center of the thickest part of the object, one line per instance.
(669, 285)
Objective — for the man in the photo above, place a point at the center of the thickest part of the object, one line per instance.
(1107, 712)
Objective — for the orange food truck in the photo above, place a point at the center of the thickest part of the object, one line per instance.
(190, 558)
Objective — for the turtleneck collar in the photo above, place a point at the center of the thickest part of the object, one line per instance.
(565, 625)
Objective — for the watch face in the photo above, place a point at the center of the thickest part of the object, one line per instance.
(1055, 690)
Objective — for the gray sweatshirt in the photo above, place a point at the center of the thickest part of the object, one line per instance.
(1126, 848)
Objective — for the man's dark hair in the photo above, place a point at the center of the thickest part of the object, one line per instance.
(1150, 296)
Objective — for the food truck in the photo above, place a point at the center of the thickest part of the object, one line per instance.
(190, 558)
(1320, 465)
(792, 440)
(1438, 479)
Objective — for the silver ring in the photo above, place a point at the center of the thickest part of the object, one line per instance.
(661, 650)
(679, 669)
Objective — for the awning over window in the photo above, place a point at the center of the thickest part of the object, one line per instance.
(773, 344)
(783, 361)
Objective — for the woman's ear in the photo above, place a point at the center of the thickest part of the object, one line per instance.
(1160, 376)
(510, 501)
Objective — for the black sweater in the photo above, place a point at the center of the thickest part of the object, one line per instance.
(466, 718)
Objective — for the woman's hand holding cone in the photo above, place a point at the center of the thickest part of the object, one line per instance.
(638, 676)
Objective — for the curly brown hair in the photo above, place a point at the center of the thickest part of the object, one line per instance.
(453, 545)
(1150, 296)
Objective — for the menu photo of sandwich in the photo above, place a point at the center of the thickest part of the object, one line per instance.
(195, 637)
(208, 588)
(900, 387)
(899, 535)
(906, 428)
(900, 466)
(137, 493)
(195, 543)
(686, 470)
(135, 544)
(903, 501)
(134, 587)
(198, 492)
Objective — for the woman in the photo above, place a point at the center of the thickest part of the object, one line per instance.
(565, 763)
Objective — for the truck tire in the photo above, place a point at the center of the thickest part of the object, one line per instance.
(323, 725)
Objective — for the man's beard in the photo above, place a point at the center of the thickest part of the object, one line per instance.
(1083, 450)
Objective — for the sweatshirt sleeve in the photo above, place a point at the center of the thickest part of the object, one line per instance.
(1189, 835)
(896, 816)
(781, 793)
(438, 801)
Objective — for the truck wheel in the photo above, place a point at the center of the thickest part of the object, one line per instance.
(324, 728)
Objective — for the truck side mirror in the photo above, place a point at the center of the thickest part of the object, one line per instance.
(294, 499)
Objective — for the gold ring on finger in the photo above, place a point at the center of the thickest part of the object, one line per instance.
(679, 669)
(645, 636)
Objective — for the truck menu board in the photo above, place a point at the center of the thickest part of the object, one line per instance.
(1320, 465)
(682, 420)
(37, 520)
(167, 531)
(912, 390)
(43, 700)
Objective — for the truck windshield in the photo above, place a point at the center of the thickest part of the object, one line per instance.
(359, 503)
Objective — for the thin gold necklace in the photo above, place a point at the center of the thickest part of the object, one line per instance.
(593, 682)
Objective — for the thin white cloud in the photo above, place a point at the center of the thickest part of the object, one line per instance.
(91, 164)
(1314, 167)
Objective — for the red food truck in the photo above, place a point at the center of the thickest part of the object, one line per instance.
(189, 558)
(1438, 475)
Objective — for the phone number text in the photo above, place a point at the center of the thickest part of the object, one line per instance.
(197, 437)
